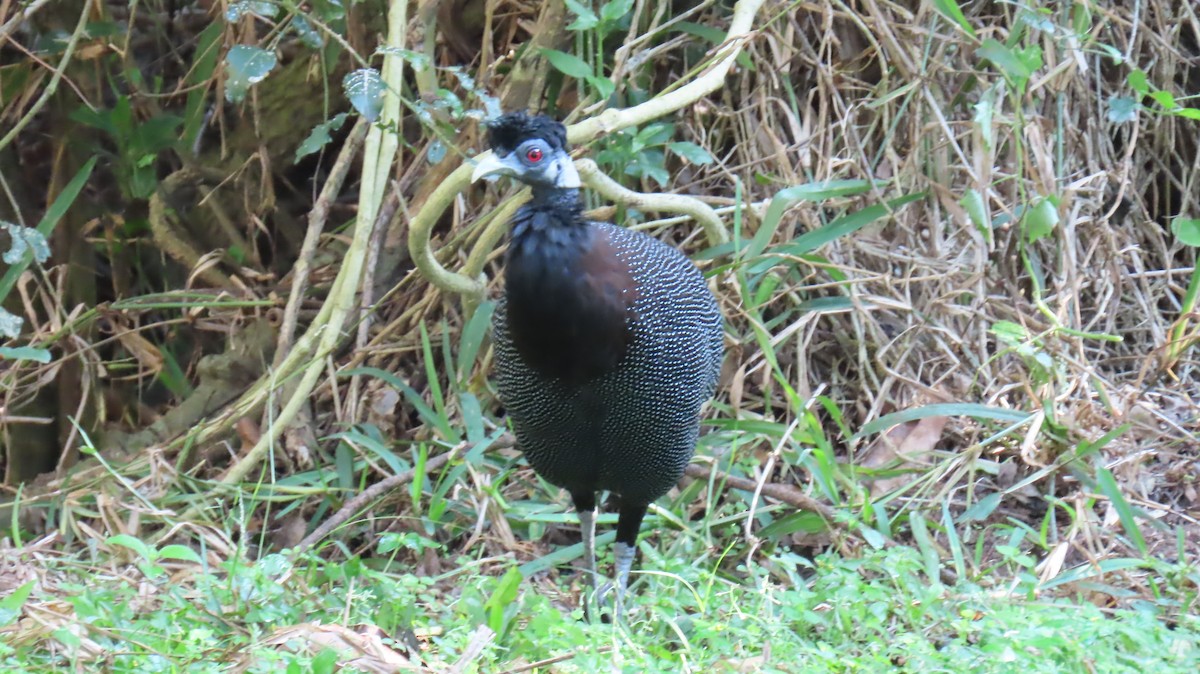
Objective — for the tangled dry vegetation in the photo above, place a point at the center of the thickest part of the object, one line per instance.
(1036, 271)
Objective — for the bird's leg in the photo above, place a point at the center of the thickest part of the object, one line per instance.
(587, 521)
(586, 505)
(624, 554)
(629, 521)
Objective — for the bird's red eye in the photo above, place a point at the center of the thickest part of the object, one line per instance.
(533, 154)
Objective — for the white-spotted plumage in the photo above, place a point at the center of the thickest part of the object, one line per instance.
(633, 429)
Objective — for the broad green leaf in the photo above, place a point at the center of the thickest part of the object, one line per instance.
(602, 85)
(364, 89)
(691, 152)
(1006, 60)
(568, 64)
(1041, 220)
(10, 606)
(1122, 109)
(1187, 230)
(1165, 99)
(614, 10)
(1138, 81)
(126, 541)
(307, 34)
(247, 66)
(180, 552)
(972, 202)
(1010, 333)
(807, 522)
(505, 594)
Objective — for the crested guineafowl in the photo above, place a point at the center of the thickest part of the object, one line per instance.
(607, 341)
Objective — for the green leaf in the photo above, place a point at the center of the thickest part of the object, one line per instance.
(1165, 99)
(786, 197)
(653, 135)
(585, 18)
(1108, 486)
(614, 10)
(307, 34)
(10, 606)
(1009, 333)
(1041, 220)
(972, 202)
(973, 410)
(319, 137)
(951, 10)
(844, 226)
(126, 541)
(24, 353)
(807, 522)
(929, 553)
(1138, 82)
(602, 85)
(364, 89)
(692, 152)
(49, 221)
(1187, 230)
(471, 339)
(1010, 64)
(568, 64)
(505, 594)
(1122, 109)
(246, 66)
(205, 57)
(180, 552)
(981, 509)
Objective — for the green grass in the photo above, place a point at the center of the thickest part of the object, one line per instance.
(877, 613)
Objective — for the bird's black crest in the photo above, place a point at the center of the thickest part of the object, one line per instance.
(506, 132)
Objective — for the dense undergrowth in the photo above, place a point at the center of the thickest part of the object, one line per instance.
(957, 425)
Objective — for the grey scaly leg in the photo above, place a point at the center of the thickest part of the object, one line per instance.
(587, 521)
(624, 553)
(585, 503)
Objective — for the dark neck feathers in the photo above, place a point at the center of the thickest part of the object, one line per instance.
(567, 313)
